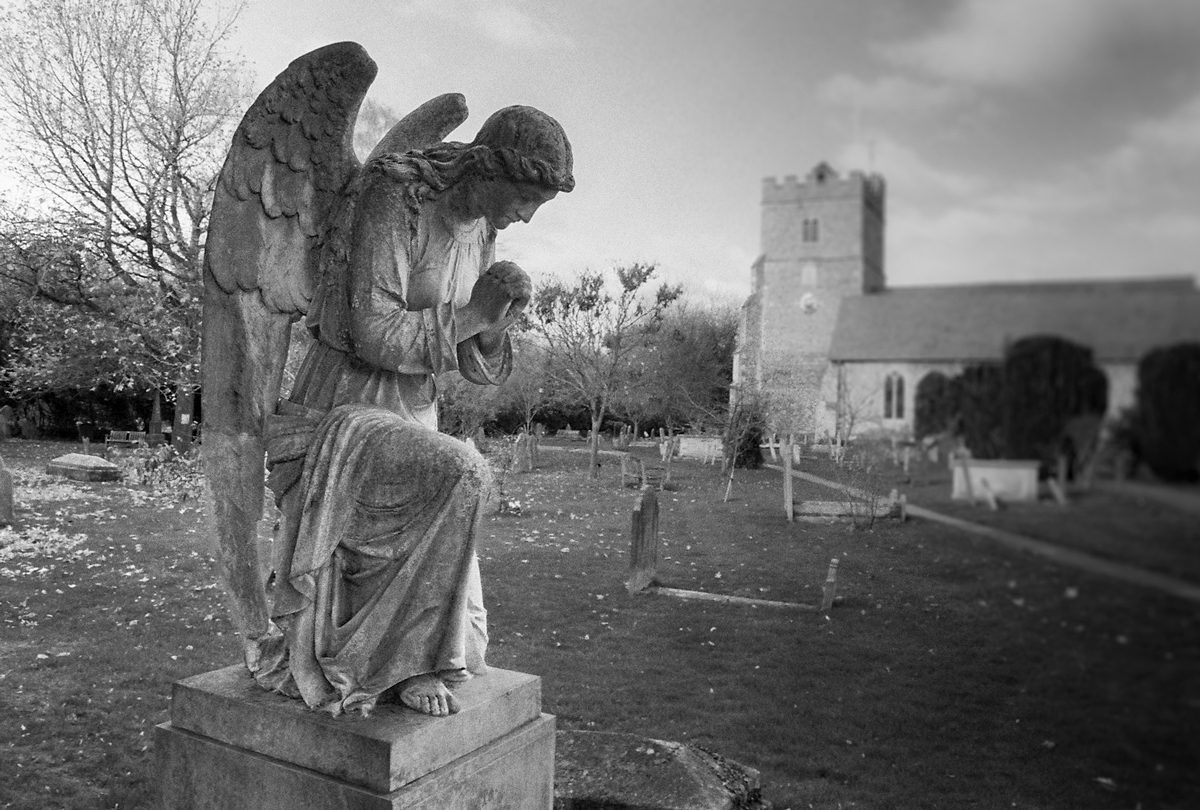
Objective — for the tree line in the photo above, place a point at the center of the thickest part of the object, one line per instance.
(117, 117)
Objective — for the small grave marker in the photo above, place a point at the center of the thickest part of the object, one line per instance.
(789, 507)
(643, 542)
(988, 494)
(1056, 490)
(7, 518)
(829, 589)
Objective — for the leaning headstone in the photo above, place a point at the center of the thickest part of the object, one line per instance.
(1057, 491)
(643, 542)
(599, 769)
(829, 588)
(7, 518)
(29, 428)
(7, 421)
(79, 467)
(520, 462)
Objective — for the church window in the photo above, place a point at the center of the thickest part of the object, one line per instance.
(893, 396)
(808, 275)
(810, 230)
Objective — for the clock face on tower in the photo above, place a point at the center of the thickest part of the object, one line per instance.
(808, 303)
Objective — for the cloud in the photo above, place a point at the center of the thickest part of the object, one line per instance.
(504, 23)
(1177, 132)
(887, 94)
(1022, 42)
(906, 170)
(1160, 153)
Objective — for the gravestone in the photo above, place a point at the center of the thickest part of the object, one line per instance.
(829, 588)
(7, 422)
(643, 542)
(789, 506)
(7, 518)
(29, 428)
(80, 467)
(522, 454)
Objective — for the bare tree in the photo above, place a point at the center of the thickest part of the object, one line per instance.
(119, 113)
(590, 334)
(525, 391)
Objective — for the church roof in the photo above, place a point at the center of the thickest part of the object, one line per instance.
(1118, 320)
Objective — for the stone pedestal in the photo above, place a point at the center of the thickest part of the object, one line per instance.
(231, 745)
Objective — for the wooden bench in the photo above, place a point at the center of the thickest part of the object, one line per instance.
(125, 438)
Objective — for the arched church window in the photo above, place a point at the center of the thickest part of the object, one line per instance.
(893, 396)
(810, 230)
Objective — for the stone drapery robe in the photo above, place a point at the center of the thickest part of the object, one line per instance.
(374, 575)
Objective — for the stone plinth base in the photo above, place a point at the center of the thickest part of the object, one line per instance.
(231, 745)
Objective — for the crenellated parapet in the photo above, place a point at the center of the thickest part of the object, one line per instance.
(824, 182)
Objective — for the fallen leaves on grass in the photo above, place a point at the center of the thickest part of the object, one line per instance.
(35, 541)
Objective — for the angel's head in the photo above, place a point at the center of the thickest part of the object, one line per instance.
(520, 159)
(526, 146)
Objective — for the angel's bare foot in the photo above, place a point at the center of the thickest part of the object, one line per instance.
(428, 695)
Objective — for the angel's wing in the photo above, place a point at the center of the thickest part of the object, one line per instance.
(425, 126)
(290, 159)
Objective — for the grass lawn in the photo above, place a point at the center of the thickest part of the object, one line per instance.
(951, 673)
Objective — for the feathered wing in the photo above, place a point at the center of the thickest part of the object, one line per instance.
(290, 160)
(290, 164)
(425, 126)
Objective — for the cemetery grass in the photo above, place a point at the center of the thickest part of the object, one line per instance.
(950, 673)
(1115, 526)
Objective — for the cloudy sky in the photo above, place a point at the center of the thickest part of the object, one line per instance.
(1021, 139)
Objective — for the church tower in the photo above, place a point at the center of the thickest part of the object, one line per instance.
(822, 241)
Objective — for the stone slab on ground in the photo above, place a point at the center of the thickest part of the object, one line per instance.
(597, 770)
(233, 745)
(1005, 479)
(882, 508)
(82, 467)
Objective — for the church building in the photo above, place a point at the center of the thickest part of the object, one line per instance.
(827, 347)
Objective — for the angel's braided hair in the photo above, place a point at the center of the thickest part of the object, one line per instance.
(521, 144)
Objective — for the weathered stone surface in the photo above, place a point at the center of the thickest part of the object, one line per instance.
(233, 745)
(599, 770)
(512, 773)
(643, 542)
(359, 468)
(389, 749)
(80, 467)
(7, 518)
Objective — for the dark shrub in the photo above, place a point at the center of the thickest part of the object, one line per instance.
(937, 404)
(1047, 382)
(1166, 423)
(981, 389)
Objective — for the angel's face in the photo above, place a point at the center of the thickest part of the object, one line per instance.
(503, 202)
